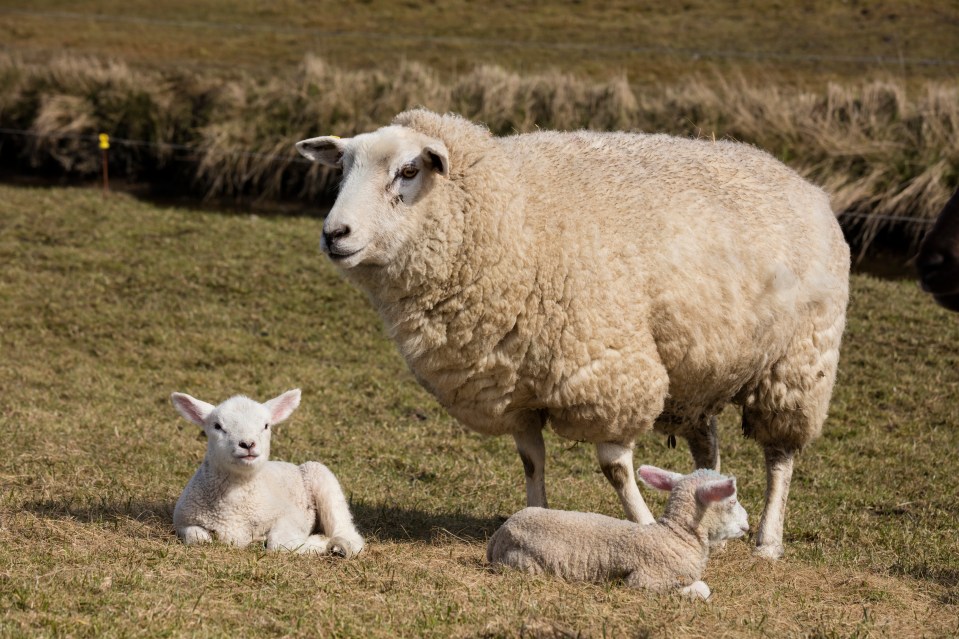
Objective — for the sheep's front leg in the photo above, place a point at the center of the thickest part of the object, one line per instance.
(779, 470)
(532, 450)
(194, 535)
(617, 464)
(704, 445)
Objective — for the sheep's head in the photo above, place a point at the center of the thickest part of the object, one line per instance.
(238, 430)
(387, 174)
(710, 498)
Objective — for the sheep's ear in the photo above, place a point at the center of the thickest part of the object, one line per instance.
(715, 490)
(191, 408)
(658, 478)
(327, 150)
(438, 157)
(283, 406)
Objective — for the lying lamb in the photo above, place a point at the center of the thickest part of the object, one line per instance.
(604, 284)
(240, 497)
(670, 554)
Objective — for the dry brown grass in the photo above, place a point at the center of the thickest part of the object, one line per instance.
(107, 305)
(882, 151)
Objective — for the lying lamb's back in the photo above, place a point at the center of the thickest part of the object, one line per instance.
(579, 546)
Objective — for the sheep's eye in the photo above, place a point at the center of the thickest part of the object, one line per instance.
(217, 427)
(409, 172)
(266, 427)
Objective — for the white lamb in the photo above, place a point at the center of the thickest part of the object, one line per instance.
(670, 554)
(605, 284)
(239, 497)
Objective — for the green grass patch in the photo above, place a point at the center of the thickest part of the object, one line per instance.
(107, 305)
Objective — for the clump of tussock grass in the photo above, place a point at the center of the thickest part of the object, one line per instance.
(886, 155)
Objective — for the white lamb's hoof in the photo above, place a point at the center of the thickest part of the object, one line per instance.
(697, 590)
(345, 547)
(771, 552)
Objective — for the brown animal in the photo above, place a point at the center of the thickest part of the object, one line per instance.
(938, 260)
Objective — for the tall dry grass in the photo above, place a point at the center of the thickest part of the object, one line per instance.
(882, 152)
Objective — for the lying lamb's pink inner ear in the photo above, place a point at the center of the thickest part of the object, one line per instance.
(657, 477)
(191, 408)
(281, 407)
(714, 491)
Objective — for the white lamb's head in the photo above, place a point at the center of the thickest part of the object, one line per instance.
(386, 176)
(238, 430)
(706, 496)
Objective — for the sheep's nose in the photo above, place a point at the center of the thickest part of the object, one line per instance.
(335, 233)
(247, 445)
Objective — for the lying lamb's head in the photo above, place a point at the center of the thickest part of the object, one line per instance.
(386, 175)
(238, 430)
(705, 495)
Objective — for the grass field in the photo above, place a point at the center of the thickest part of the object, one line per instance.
(650, 41)
(109, 305)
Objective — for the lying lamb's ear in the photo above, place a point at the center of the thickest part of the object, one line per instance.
(327, 150)
(191, 408)
(715, 490)
(438, 157)
(281, 407)
(658, 478)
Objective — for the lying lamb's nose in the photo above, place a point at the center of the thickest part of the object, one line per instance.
(336, 233)
(247, 445)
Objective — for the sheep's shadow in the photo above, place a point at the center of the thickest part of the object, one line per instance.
(378, 520)
(155, 513)
(395, 523)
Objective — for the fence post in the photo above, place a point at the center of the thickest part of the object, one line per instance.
(105, 162)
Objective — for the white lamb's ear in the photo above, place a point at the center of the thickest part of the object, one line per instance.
(715, 490)
(327, 150)
(191, 408)
(281, 407)
(438, 157)
(658, 478)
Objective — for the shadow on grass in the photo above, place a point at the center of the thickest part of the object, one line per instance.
(945, 577)
(394, 523)
(384, 522)
(153, 513)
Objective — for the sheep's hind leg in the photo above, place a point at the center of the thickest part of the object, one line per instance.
(532, 451)
(779, 470)
(704, 445)
(617, 464)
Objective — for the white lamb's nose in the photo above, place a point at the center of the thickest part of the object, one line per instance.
(247, 445)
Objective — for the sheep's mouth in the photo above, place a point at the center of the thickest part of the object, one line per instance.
(338, 256)
(248, 458)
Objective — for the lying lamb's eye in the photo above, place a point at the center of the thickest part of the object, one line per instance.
(266, 427)
(217, 427)
(409, 172)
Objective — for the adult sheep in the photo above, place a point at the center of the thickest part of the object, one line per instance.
(938, 259)
(605, 284)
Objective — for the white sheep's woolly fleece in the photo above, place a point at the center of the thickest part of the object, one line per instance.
(239, 497)
(670, 554)
(605, 284)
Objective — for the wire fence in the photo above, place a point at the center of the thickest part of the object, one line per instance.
(488, 42)
(198, 150)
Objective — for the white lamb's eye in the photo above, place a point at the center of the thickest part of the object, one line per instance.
(409, 172)
(266, 427)
(217, 427)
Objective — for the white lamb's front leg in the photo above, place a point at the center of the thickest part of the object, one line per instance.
(287, 538)
(332, 509)
(194, 535)
(696, 590)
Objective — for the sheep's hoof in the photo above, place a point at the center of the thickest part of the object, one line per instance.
(771, 552)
